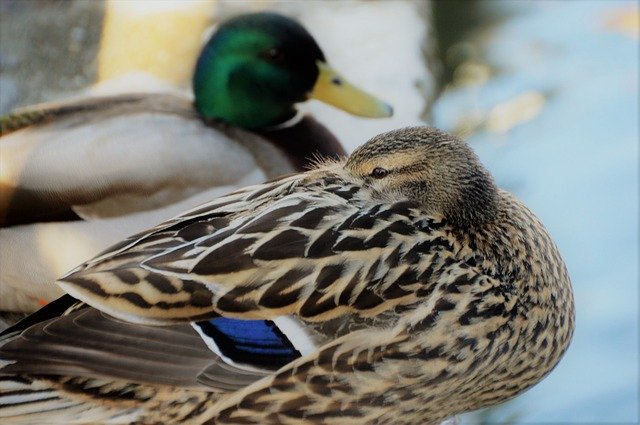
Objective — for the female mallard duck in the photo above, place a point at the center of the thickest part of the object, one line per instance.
(112, 156)
(398, 286)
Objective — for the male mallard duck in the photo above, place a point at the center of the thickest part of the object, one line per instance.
(111, 156)
(400, 286)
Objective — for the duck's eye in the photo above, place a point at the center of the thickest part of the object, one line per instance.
(379, 172)
(274, 54)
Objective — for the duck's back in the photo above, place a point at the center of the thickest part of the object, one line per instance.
(104, 157)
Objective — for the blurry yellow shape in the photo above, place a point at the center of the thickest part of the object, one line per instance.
(162, 38)
(471, 73)
(516, 111)
(626, 21)
(468, 125)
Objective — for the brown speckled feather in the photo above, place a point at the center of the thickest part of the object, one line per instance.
(267, 257)
(427, 290)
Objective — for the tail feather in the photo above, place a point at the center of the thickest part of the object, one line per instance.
(25, 400)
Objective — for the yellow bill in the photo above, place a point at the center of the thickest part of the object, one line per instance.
(333, 89)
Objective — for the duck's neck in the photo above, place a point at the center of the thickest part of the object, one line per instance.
(476, 204)
(305, 141)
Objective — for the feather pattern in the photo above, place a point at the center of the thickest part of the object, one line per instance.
(423, 291)
(241, 265)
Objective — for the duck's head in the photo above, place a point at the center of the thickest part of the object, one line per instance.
(425, 165)
(257, 66)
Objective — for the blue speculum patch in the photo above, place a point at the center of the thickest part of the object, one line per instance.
(254, 342)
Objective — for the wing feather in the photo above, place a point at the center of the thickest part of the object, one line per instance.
(426, 354)
(273, 249)
(68, 160)
(169, 355)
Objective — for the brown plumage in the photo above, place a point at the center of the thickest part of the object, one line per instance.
(424, 290)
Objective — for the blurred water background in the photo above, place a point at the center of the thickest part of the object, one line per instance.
(545, 91)
(547, 94)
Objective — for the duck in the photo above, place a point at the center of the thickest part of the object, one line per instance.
(123, 162)
(398, 286)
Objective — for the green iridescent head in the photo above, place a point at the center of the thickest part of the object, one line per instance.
(256, 67)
